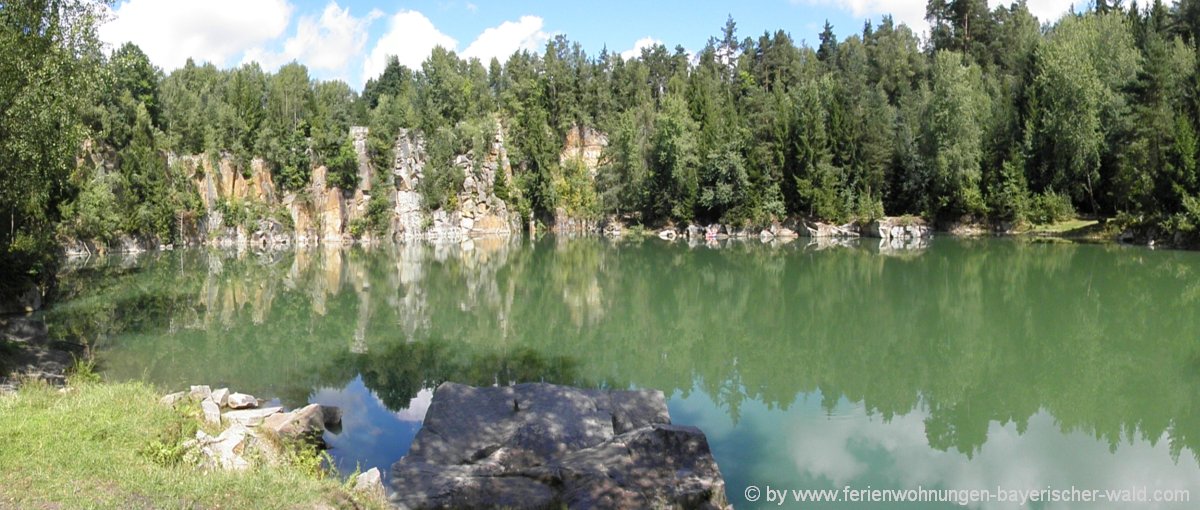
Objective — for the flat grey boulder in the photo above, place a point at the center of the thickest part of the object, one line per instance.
(310, 422)
(534, 446)
(250, 417)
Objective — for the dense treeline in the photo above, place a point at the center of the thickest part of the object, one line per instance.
(993, 117)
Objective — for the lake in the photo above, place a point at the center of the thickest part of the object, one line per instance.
(970, 364)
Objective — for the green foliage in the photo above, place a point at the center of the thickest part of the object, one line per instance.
(283, 140)
(93, 213)
(343, 167)
(983, 122)
(674, 163)
(1187, 221)
(953, 139)
(238, 213)
(1083, 66)
(48, 76)
(442, 175)
(575, 191)
(1050, 207)
(624, 167)
(723, 184)
(82, 371)
(1010, 201)
(379, 210)
(500, 185)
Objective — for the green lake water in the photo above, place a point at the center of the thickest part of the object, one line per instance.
(972, 364)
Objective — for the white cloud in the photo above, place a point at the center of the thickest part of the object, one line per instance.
(417, 407)
(170, 31)
(912, 12)
(909, 12)
(324, 44)
(508, 38)
(410, 37)
(1043, 455)
(636, 50)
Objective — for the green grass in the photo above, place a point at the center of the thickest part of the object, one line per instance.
(112, 445)
(1078, 229)
(8, 350)
(1063, 227)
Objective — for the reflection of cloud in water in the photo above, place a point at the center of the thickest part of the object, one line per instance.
(416, 407)
(843, 451)
(806, 447)
(372, 435)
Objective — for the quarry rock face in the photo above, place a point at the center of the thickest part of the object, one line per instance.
(322, 214)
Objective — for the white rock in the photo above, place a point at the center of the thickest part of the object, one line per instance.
(369, 482)
(241, 401)
(172, 399)
(251, 417)
(227, 448)
(200, 391)
(212, 411)
(220, 396)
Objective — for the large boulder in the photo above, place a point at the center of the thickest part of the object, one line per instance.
(547, 446)
(308, 422)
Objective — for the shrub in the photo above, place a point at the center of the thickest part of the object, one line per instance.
(343, 167)
(1050, 207)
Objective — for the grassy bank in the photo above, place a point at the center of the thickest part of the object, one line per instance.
(112, 445)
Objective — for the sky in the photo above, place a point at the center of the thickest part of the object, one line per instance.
(350, 40)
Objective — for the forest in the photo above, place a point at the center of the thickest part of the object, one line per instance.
(991, 117)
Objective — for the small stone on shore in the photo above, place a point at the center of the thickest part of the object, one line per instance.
(241, 401)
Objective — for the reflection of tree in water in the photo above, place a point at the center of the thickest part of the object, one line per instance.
(1104, 338)
(397, 374)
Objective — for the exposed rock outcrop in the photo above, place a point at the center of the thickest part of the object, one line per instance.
(546, 446)
(479, 213)
(586, 144)
(898, 228)
(324, 214)
(818, 229)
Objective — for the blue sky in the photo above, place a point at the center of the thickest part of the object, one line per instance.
(351, 39)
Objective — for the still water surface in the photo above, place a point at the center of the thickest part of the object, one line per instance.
(967, 365)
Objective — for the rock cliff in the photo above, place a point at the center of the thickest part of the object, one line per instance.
(243, 207)
(586, 144)
(479, 213)
(321, 213)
